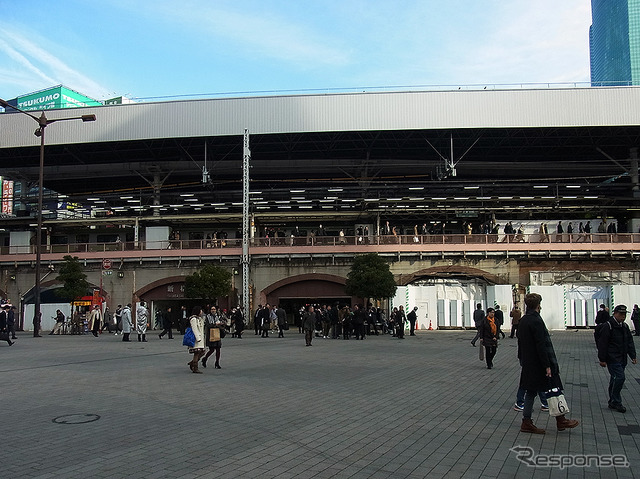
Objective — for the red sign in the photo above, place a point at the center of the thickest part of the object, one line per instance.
(106, 264)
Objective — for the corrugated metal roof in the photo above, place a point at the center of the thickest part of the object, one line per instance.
(576, 107)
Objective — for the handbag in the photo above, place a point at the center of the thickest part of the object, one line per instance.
(189, 339)
(557, 403)
(481, 352)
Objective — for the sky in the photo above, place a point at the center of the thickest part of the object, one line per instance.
(171, 49)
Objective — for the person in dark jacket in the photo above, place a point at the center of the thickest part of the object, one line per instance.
(635, 319)
(4, 331)
(282, 320)
(308, 324)
(478, 316)
(499, 316)
(488, 331)
(540, 371)
(615, 343)
(603, 315)
(165, 318)
(412, 317)
(358, 320)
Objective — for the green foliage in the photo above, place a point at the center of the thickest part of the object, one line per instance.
(74, 281)
(209, 283)
(370, 277)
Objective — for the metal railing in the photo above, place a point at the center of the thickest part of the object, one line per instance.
(440, 241)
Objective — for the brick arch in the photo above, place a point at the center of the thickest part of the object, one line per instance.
(446, 271)
(139, 294)
(318, 278)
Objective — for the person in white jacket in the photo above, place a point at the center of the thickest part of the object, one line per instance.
(127, 324)
(142, 321)
(197, 326)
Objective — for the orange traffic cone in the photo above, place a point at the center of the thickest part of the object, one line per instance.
(417, 326)
(430, 328)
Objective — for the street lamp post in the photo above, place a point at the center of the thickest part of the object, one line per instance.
(43, 122)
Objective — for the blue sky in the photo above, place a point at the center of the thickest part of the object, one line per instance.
(151, 49)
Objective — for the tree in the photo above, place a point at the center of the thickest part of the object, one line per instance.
(208, 283)
(370, 277)
(74, 281)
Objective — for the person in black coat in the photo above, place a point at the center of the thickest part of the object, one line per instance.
(166, 320)
(540, 371)
(615, 343)
(488, 331)
(412, 317)
(499, 315)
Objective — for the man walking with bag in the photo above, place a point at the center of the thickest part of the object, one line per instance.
(615, 343)
(540, 371)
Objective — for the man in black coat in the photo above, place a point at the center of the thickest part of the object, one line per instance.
(615, 343)
(412, 317)
(499, 315)
(478, 317)
(603, 315)
(540, 371)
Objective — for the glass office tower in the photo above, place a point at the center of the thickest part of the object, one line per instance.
(614, 41)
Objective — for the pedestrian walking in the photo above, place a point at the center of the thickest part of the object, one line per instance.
(281, 314)
(213, 327)
(540, 370)
(4, 331)
(615, 343)
(478, 317)
(196, 321)
(308, 324)
(95, 318)
(489, 336)
(515, 315)
(166, 320)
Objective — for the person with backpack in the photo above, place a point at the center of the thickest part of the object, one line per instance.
(615, 343)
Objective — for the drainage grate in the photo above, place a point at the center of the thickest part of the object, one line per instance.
(75, 418)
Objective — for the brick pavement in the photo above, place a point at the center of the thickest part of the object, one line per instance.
(381, 408)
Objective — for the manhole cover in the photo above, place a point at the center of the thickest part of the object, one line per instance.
(76, 418)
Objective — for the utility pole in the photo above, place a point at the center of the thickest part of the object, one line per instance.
(246, 158)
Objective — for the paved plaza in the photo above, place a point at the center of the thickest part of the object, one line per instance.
(425, 406)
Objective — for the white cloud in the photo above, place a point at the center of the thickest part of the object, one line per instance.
(46, 68)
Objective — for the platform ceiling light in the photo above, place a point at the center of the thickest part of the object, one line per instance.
(126, 197)
(303, 201)
(541, 186)
(285, 202)
(304, 207)
(461, 198)
(298, 191)
(298, 198)
(284, 207)
(186, 195)
(548, 197)
(570, 197)
(133, 201)
(394, 199)
(349, 200)
(255, 192)
(471, 187)
(526, 197)
(191, 199)
(438, 198)
(484, 197)
(372, 199)
(326, 201)
(573, 186)
(335, 190)
(217, 204)
(505, 197)
(591, 197)
(416, 199)
(416, 188)
(93, 199)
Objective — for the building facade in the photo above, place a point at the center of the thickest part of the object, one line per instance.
(614, 42)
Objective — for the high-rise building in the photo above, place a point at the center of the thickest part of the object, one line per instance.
(614, 42)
